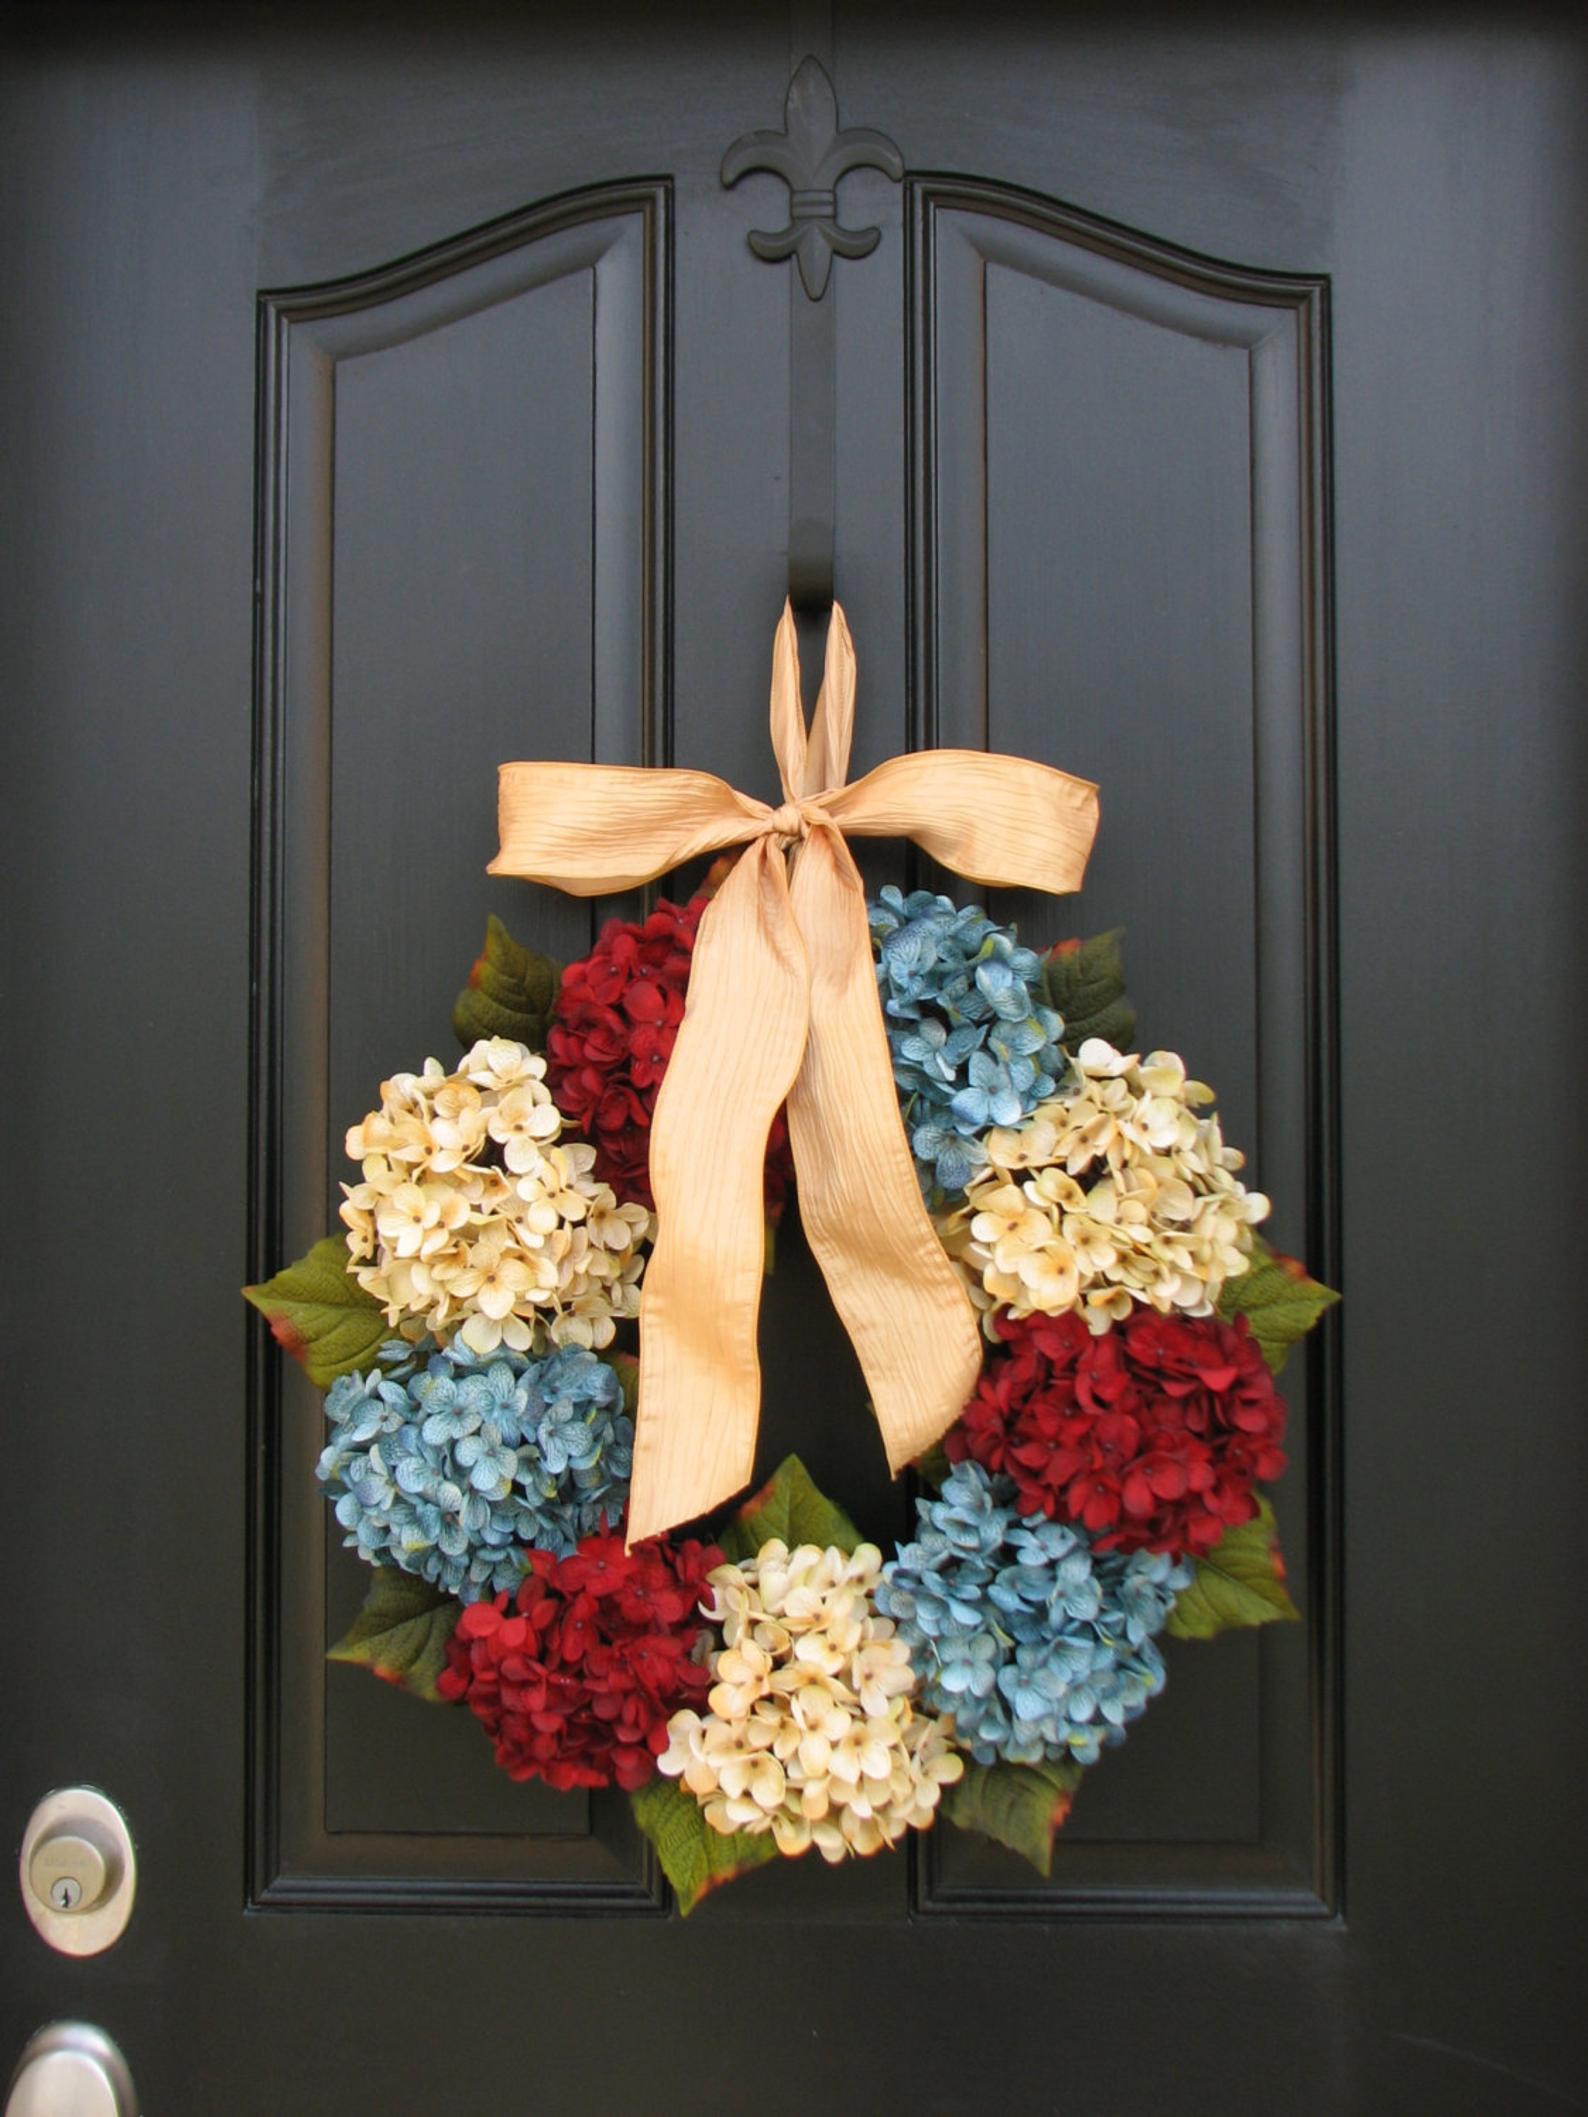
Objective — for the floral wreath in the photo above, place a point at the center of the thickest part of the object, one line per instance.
(773, 1682)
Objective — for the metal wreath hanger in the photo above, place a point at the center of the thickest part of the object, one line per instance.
(811, 154)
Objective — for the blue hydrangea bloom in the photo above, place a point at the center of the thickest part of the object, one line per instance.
(451, 1464)
(1040, 1646)
(972, 1045)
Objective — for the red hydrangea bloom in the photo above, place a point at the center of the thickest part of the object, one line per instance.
(1151, 1435)
(612, 1032)
(575, 1683)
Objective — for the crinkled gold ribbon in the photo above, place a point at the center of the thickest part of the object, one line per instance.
(782, 1005)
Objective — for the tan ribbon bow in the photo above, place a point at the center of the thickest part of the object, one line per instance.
(782, 1005)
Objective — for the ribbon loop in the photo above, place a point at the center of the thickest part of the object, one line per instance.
(833, 724)
(783, 1005)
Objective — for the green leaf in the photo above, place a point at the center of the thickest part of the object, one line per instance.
(401, 1632)
(787, 1506)
(1278, 1300)
(627, 1370)
(1085, 981)
(1240, 1582)
(933, 1467)
(511, 992)
(318, 1312)
(1018, 1805)
(695, 1858)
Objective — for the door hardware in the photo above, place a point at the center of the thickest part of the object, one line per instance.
(71, 2069)
(810, 154)
(78, 1871)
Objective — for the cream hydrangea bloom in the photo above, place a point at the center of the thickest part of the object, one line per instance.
(476, 1218)
(811, 1733)
(1115, 1193)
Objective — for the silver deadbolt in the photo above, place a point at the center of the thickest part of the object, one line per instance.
(71, 2069)
(79, 1871)
(69, 1871)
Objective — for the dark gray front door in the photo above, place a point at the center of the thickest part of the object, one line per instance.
(388, 395)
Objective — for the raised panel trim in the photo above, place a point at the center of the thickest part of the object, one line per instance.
(293, 1862)
(958, 225)
(610, 1870)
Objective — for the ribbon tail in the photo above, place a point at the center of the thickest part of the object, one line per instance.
(902, 1302)
(738, 1050)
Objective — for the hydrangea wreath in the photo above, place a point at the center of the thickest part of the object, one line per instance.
(782, 1684)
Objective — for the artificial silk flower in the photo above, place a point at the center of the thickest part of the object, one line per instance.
(476, 1219)
(576, 1678)
(810, 1731)
(452, 1467)
(1115, 1194)
(1039, 1645)
(1151, 1436)
(973, 1043)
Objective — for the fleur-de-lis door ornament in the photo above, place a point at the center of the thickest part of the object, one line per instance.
(810, 155)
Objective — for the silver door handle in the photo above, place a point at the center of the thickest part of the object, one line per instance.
(71, 2069)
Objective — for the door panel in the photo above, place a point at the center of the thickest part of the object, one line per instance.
(481, 430)
(1119, 463)
(425, 428)
(1208, 421)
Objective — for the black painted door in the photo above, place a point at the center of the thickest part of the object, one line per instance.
(389, 394)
